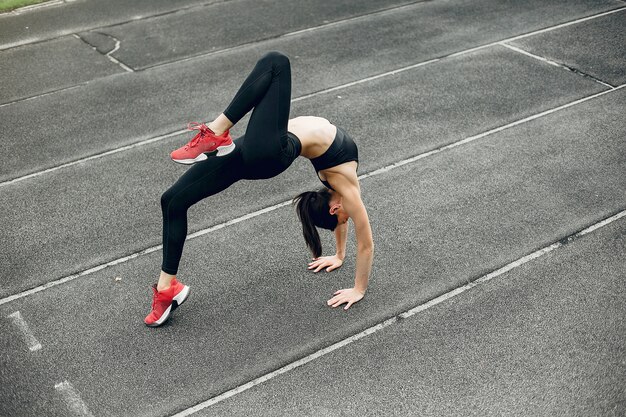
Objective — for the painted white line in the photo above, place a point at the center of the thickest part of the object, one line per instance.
(20, 323)
(566, 24)
(286, 203)
(74, 403)
(364, 80)
(78, 275)
(540, 31)
(540, 58)
(92, 157)
(488, 133)
(237, 220)
(178, 10)
(60, 90)
(366, 16)
(285, 35)
(285, 368)
(602, 223)
(556, 64)
(389, 322)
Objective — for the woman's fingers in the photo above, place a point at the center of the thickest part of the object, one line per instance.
(349, 296)
(321, 266)
(314, 264)
(332, 267)
(328, 264)
(337, 300)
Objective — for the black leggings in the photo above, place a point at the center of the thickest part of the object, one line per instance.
(264, 151)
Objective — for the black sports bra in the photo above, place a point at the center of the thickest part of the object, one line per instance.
(342, 150)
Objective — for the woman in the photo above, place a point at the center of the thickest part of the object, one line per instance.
(271, 143)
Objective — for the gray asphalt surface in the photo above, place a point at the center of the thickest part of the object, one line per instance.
(543, 158)
(545, 340)
(49, 22)
(66, 62)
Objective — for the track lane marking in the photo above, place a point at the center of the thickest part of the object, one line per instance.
(556, 64)
(20, 323)
(72, 398)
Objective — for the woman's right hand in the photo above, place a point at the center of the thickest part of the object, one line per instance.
(329, 262)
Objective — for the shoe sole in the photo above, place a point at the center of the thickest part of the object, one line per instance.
(178, 300)
(220, 151)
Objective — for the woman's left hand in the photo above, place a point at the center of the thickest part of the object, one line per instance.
(348, 295)
(328, 262)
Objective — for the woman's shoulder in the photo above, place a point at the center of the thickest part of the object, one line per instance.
(342, 176)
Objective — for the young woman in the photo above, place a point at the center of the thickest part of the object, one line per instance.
(271, 143)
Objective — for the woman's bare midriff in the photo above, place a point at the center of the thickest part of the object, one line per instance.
(316, 134)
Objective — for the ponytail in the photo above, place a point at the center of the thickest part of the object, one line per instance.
(312, 208)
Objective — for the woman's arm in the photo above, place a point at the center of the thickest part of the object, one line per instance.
(354, 207)
(341, 237)
(348, 186)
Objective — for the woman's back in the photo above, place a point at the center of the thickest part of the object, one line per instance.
(316, 134)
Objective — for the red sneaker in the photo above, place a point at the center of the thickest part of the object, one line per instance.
(166, 301)
(204, 141)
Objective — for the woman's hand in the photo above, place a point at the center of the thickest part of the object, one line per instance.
(328, 262)
(348, 295)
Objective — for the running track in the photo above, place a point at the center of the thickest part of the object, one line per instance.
(491, 137)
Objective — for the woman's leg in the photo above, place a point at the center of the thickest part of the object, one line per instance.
(200, 181)
(268, 90)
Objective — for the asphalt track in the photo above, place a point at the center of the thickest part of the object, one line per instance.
(490, 135)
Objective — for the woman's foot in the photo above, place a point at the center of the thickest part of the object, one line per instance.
(205, 141)
(166, 301)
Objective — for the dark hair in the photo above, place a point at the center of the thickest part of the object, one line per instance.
(313, 210)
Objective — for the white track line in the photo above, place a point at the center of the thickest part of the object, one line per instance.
(286, 203)
(350, 84)
(285, 35)
(183, 9)
(74, 403)
(20, 323)
(540, 58)
(92, 157)
(389, 322)
(49, 93)
(556, 64)
(364, 80)
(490, 132)
(540, 31)
(285, 368)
